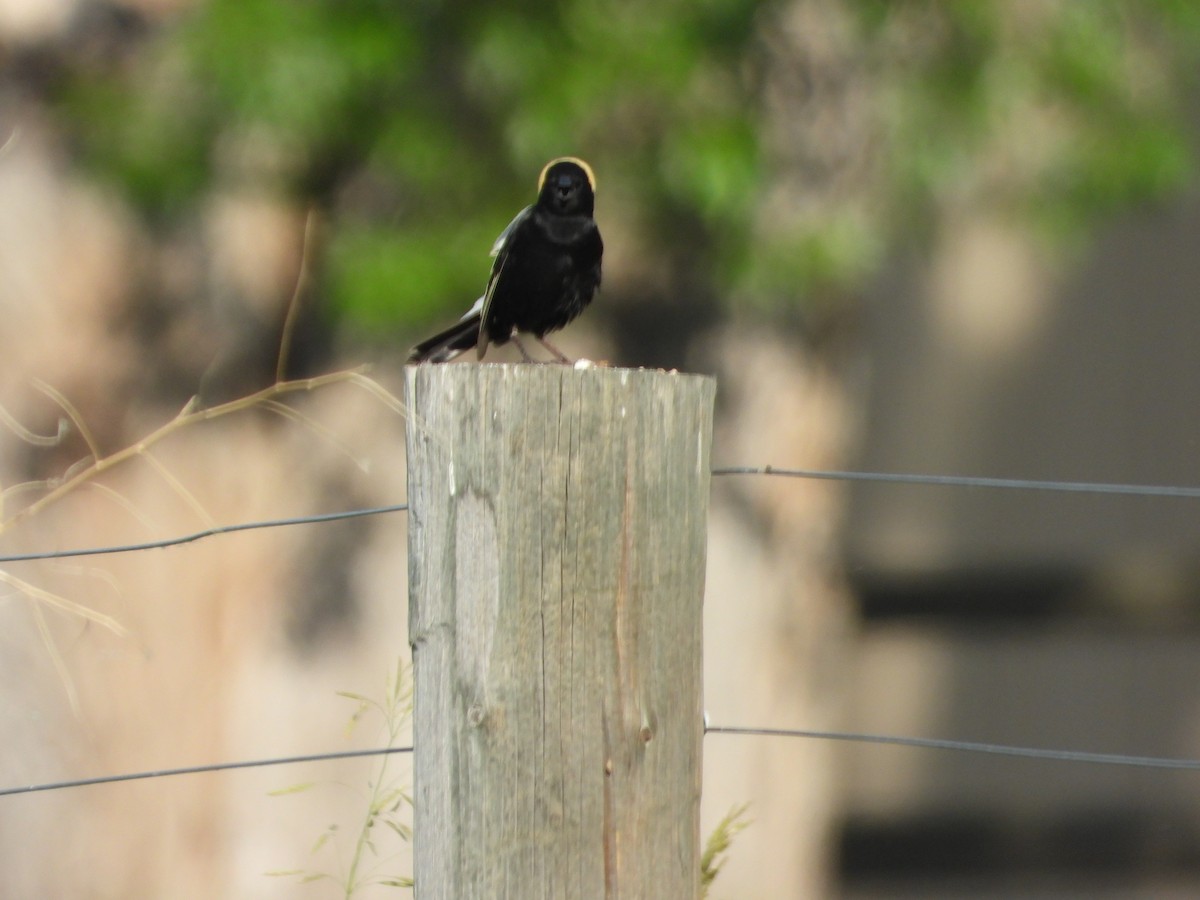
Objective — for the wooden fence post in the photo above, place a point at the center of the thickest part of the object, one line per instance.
(556, 578)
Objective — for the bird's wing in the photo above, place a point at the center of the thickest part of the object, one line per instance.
(476, 308)
(500, 251)
(499, 243)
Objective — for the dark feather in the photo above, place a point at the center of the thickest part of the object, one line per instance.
(545, 273)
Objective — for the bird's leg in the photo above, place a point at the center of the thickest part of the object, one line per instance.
(562, 357)
(524, 353)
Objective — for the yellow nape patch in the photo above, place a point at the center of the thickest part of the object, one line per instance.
(587, 170)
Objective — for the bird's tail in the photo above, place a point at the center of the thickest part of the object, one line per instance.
(445, 345)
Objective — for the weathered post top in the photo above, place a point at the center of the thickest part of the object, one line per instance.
(557, 523)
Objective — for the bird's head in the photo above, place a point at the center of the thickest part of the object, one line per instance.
(567, 187)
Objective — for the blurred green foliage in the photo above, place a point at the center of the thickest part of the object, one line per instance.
(1055, 112)
(420, 126)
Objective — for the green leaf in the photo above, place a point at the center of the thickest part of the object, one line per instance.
(397, 881)
(718, 845)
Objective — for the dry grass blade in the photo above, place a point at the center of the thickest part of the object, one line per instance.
(69, 408)
(289, 321)
(373, 387)
(61, 603)
(125, 503)
(24, 487)
(178, 487)
(294, 415)
(60, 665)
(93, 572)
(30, 437)
(91, 468)
(190, 415)
(10, 141)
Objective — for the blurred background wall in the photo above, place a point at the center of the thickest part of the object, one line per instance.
(906, 236)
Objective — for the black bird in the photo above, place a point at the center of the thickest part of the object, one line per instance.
(546, 269)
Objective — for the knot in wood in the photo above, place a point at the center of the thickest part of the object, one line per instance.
(476, 714)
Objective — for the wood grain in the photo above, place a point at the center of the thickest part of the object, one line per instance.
(557, 553)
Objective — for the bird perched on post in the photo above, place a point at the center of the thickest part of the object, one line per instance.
(546, 269)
